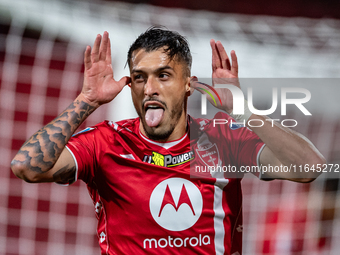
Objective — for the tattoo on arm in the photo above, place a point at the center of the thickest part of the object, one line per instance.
(43, 149)
(65, 175)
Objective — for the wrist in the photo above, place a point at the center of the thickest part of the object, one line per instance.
(242, 117)
(83, 107)
(82, 98)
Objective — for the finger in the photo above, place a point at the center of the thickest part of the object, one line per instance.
(216, 61)
(234, 67)
(108, 53)
(95, 49)
(87, 58)
(223, 55)
(103, 46)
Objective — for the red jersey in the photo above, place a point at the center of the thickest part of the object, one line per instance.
(156, 198)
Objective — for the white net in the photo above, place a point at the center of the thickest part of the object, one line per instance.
(41, 51)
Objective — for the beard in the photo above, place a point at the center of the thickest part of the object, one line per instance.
(162, 133)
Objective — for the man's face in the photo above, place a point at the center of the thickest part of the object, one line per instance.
(159, 88)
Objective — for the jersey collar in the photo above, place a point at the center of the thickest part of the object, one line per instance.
(165, 145)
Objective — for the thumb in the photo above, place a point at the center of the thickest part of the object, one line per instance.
(200, 86)
(206, 89)
(193, 81)
(124, 81)
(193, 84)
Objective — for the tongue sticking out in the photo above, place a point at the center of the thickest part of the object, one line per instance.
(153, 117)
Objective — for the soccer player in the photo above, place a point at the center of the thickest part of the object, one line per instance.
(141, 172)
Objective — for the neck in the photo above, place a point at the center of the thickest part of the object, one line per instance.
(178, 132)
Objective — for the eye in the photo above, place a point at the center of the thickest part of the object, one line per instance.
(138, 78)
(164, 76)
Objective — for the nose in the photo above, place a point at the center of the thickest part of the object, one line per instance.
(151, 87)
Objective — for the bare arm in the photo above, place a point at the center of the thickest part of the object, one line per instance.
(40, 153)
(287, 147)
(284, 147)
(44, 158)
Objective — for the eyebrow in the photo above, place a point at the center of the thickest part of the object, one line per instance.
(160, 69)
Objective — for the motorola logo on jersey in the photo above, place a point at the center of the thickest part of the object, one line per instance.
(176, 204)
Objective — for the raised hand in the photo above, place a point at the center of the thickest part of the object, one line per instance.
(99, 85)
(223, 72)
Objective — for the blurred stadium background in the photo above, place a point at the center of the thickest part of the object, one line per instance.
(41, 54)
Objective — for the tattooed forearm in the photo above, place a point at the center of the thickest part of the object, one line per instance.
(65, 175)
(41, 151)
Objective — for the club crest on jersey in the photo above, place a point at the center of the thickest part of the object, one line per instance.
(168, 160)
(209, 155)
(208, 151)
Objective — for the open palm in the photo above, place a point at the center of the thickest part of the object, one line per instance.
(99, 85)
(222, 73)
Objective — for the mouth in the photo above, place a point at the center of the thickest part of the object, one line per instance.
(154, 113)
(153, 105)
